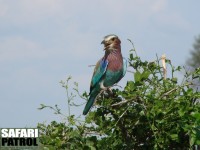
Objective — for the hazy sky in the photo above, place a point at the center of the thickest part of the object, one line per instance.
(44, 41)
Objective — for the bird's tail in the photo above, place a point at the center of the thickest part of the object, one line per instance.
(90, 102)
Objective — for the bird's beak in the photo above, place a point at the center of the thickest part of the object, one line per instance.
(103, 42)
(106, 44)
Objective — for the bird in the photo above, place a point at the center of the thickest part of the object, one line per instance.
(109, 70)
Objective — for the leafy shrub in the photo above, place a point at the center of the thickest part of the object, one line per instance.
(151, 112)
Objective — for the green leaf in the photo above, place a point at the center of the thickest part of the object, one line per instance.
(145, 75)
(131, 56)
(174, 80)
(137, 76)
(196, 115)
(174, 136)
(192, 140)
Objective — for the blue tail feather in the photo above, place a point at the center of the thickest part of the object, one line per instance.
(90, 102)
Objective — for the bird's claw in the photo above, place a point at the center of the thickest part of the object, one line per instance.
(109, 90)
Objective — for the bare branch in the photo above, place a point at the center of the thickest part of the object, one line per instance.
(174, 89)
(120, 103)
(163, 58)
(121, 115)
(91, 65)
(117, 85)
(126, 101)
(167, 93)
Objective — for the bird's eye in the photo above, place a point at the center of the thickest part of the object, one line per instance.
(113, 39)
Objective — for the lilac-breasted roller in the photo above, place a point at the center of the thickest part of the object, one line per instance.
(108, 71)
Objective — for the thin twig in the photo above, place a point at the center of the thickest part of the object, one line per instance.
(117, 85)
(133, 47)
(126, 101)
(170, 91)
(98, 96)
(91, 65)
(120, 103)
(121, 115)
(94, 133)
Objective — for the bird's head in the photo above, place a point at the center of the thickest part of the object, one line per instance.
(111, 42)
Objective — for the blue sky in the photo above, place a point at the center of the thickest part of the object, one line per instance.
(44, 41)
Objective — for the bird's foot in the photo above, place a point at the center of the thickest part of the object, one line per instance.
(110, 90)
(103, 87)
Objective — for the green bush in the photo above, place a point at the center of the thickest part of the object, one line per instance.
(151, 112)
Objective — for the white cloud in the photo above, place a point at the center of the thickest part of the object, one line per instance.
(24, 11)
(104, 13)
(17, 48)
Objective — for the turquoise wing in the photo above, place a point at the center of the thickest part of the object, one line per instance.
(99, 71)
(124, 66)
